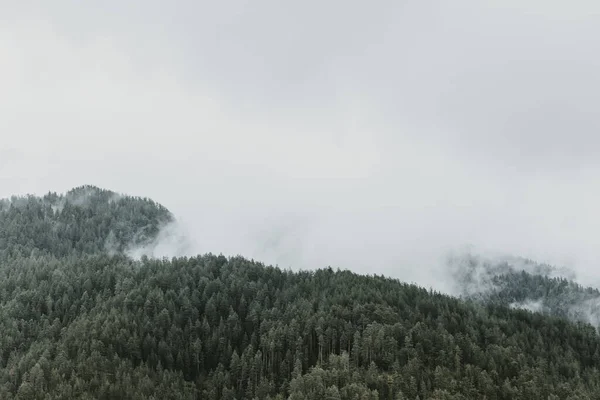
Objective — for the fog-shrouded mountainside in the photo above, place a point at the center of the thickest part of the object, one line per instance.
(86, 220)
(81, 319)
(520, 283)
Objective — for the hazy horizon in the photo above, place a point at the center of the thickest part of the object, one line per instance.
(376, 138)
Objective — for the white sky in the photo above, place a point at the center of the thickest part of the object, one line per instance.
(374, 137)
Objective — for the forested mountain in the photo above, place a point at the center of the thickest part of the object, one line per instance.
(86, 220)
(79, 322)
(528, 285)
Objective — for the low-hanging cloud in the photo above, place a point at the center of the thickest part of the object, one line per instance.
(171, 241)
(529, 305)
(406, 133)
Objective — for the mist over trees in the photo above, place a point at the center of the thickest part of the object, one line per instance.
(81, 320)
(86, 220)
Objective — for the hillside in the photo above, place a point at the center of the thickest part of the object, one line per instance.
(79, 321)
(527, 285)
(86, 220)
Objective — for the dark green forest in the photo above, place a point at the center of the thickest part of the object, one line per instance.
(81, 320)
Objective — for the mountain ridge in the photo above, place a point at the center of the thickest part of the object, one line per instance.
(80, 321)
(87, 219)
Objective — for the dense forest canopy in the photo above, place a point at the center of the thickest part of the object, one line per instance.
(81, 320)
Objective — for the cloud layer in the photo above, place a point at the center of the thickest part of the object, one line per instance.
(375, 138)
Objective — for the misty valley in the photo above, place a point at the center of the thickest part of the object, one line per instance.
(84, 314)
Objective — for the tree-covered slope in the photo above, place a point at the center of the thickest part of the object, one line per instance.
(79, 323)
(216, 328)
(86, 220)
(528, 285)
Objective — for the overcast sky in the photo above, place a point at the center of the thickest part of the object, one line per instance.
(372, 136)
